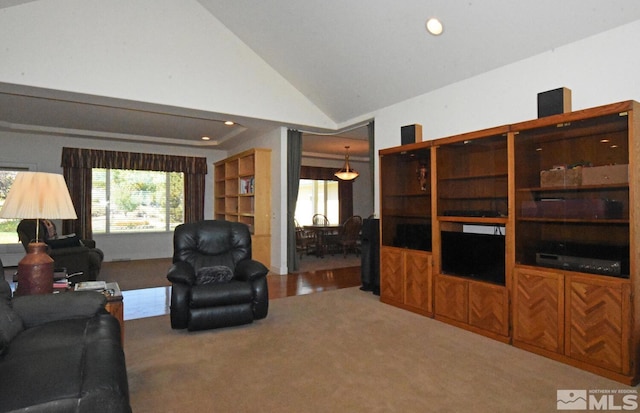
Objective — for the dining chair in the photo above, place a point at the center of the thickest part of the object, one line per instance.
(320, 219)
(305, 240)
(349, 236)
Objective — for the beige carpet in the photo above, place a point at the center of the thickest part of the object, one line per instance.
(339, 351)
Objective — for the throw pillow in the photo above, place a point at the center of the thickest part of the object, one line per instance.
(215, 274)
(10, 321)
(67, 241)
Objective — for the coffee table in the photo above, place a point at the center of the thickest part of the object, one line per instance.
(115, 305)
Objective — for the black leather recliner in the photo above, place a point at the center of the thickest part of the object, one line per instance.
(77, 256)
(215, 247)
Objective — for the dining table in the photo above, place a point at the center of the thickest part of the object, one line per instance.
(321, 232)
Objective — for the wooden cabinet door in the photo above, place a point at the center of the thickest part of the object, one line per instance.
(391, 275)
(418, 280)
(597, 322)
(538, 308)
(451, 298)
(489, 307)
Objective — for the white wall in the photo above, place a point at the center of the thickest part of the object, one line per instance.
(43, 153)
(599, 70)
(171, 52)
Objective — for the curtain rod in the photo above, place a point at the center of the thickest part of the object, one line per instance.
(348, 129)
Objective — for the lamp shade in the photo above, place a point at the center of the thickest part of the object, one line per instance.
(35, 195)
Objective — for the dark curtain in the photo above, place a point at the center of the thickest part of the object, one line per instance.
(79, 184)
(77, 164)
(345, 196)
(194, 187)
(372, 159)
(294, 159)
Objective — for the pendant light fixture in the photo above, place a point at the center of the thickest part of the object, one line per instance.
(346, 173)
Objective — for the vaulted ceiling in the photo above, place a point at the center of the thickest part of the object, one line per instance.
(350, 58)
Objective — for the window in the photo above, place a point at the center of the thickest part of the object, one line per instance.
(126, 201)
(317, 197)
(8, 234)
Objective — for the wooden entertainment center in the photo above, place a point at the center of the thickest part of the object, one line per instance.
(525, 233)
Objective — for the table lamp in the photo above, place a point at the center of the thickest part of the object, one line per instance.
(37, 195)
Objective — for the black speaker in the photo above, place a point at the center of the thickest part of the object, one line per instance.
(370, 255)
(411, 134)
(554, 102)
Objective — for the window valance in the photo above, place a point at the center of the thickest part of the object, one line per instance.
(318, 173)
(97, 158)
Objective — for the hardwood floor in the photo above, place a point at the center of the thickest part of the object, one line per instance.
(151, 302)
(312, 282)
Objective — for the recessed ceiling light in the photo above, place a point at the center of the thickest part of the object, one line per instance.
(229, 123)
(206, 138)
(434, 26)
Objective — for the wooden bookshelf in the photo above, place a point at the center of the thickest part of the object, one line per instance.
(242, 193)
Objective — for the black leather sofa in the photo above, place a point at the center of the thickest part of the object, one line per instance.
(215, 283)
(60, 353)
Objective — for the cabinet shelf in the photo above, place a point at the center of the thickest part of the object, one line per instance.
(420, 195)
(473, 198)
(406, 197)
(474, 220)
(603, 221)
(405, 215)
(581, 188)
(473, 177)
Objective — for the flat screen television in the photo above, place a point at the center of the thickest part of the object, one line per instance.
(468, 254)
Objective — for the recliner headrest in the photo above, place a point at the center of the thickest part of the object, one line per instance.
(212, 242)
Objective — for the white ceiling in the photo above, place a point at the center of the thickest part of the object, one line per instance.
(353, 57)
(349, 58)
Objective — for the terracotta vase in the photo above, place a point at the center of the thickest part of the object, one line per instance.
(35, 271)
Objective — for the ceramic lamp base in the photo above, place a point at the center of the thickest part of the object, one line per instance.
(35, 271)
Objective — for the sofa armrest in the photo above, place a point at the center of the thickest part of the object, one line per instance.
(38, 309)
(182, 272)
(250, 270)
(89, 243)
(61, 252)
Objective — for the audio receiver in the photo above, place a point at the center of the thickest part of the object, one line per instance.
(582, 264)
